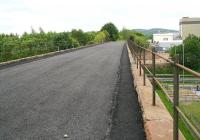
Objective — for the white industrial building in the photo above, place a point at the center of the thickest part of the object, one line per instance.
(188, 26)
(164, 41)
(163, 37)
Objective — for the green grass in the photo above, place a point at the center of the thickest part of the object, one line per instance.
(180, 83)
(192, 111)
(182, 126)
(193, 107)
(166, 69)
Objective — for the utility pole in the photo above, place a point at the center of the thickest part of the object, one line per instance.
(183, 64)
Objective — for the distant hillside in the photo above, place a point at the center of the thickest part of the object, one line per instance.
(155, 30)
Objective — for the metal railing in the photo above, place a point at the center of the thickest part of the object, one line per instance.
(137, 52)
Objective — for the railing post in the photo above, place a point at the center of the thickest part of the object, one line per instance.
(144, 80)
(153, 80)
(133, 53)
(176, 98)
(137, 57)
(140, 61)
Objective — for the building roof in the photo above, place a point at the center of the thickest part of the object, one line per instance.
(188, 20)
(164, 34)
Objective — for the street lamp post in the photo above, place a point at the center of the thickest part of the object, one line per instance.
(175, 50)
(183, 64)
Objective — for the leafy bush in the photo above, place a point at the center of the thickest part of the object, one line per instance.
(191, 52)
(15, 47)
(138, 38)
(64, 41)
(101, 37)
(112, 31)
(80, 36)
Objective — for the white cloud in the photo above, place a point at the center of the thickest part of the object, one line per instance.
(59, 15)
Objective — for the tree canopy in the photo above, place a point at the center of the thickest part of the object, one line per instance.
(64, 41)
(13, 46)
(80, 36)
(139, 38)
(101, 37)
(112, 31)
(191, 52)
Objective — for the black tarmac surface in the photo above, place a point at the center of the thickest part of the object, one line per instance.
(66, 94)
(127, 123)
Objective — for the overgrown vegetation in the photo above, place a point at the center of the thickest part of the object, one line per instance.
(191, 52)
(13, 46)
(182, 126)
(111, 30)
(137, 37)
(191, 110)
(162, 69)
(101, 36)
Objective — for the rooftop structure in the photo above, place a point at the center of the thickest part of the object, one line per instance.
(163, 37)
(165, 41)
(189, 26)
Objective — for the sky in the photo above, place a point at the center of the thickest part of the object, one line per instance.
(18, 16)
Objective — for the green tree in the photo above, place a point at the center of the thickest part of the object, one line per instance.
(80, 36)
(64, 41)
(7, 43)
(191, 52)
(101, 37)
(90, 36)
(112, 31)
(137, 37)
(13, 46)
(60, 40)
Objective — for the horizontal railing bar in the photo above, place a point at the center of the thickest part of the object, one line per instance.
(188, 123)
(182, 114)
(170, 75)
(188, 70)
(172, 62)
(147, 69)
(194, 73)
(163, 90)
(158, 83)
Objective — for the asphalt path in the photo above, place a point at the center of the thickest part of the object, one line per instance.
(127, 120)
(69, 94)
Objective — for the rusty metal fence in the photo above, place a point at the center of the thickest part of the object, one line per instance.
(176, 90)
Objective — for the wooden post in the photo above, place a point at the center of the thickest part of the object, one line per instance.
(144, 80)
(176, 99)
(140, 61)
(153, 80)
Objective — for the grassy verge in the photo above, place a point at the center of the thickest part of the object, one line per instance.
(166, 69)
(182, 126)
(180, 83)
(191, 110)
